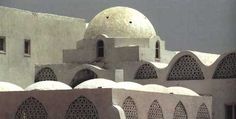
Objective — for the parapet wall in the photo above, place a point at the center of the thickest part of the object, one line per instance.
(99, 104)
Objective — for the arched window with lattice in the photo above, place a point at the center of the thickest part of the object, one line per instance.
(180, 111)
(186, 68)
(226, 68)
(146, 71)
(155, 111)
(45, 74)
(81, 76)
(130, 108)
(31, 108)
(82, 108)
(203, 112)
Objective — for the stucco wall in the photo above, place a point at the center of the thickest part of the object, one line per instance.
(56, 106)
(49, 35)
(167, 102)
(66, 72)
(104, 101)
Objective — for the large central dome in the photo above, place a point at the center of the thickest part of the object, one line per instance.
(121, 22)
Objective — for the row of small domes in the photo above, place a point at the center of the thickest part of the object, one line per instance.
(99, 83)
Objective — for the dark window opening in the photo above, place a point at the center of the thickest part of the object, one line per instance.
(81, 76)
(2, 44)
(100, 48)
(157, 50)
(235, 111)
(230, 111)
(27, 47)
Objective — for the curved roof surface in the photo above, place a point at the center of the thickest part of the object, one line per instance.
(6, 86)
(48, 85)
(182, 91)
(106, 83)
(155, 88)
(122, 22)
(129, 86)
(96, 83)
(206, 58)
(159, 64)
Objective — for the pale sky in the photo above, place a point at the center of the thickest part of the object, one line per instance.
(202, 25)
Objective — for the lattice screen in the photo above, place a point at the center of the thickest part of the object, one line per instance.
(155, 111)
(82, 108)
(130, 108)
(31, 108)
(180, 112)
(45, 74)
(203, 112)
(146, 71)
(186, 68)
(226, 68)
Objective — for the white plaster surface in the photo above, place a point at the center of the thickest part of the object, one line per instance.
(48, 85)
(6, 86)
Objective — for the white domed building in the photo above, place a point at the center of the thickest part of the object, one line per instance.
(120, 22)
(119, 69)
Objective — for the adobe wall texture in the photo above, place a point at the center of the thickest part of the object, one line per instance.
(49, 35)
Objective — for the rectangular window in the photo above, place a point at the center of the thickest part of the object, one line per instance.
(2, 44)
(235, 111)
(230, 111)
(27, 47)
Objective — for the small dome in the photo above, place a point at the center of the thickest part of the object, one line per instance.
(182, 91)
(129, 86)
(48, 85)
(122, 22)
(96, 83)
(6, 86)
(155, 88)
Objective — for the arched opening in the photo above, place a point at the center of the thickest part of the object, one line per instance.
(82, 108)
(155, 111)
(31, 108)
(81, 76)
(100, 48)
(203, 112)
(45, 74)
(180, 111)
(146, 71)
(130, 108)
(157, 52)
(226, 68)
(186, 68)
